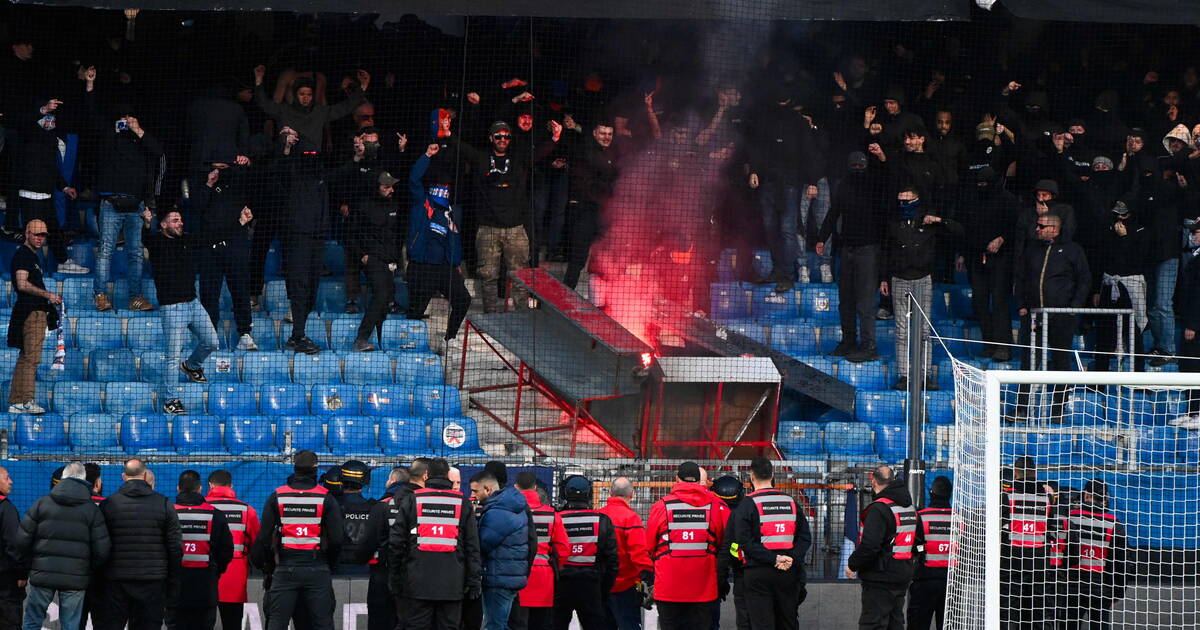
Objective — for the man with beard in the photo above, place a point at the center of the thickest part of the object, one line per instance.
(357, 187)
(36, 176)
(305, 115)
(986, 250)
(593, 174)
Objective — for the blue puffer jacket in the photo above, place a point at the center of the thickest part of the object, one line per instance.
(504, 539)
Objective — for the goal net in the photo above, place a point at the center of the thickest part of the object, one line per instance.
(1077, 500)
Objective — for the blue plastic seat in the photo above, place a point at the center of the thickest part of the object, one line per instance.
(335, 400)
(307, 432)
(885, 407)
(198, 435)
(123, 398)
(1167, 446)
(749, 328)
(274, 261)
(331, 296)
(800, 439)
(40, 434)
(820, 301)
(78, 397)
(437, 400)
(250, 435)
(891, 442)
(939, 407)
(92, 433)
(1088, 408)
(343, 332)
(112, 365)
(817, 362)
(960, 301)
(275, 298)
(456, 437)
(283, 399)
(352, 435)
(762, 263)
(885, 341)
(423, 368)
(311, 369)
(192, 395)
(1050, 449)
(315, 328)
(73, 367)
(368, 368)
(403, 435)
(266, 367)
(828, 337)
(387, 401)
(225, 399)
(8, 361)
(146, 333)
(869, 375)
(766, 303)
(1150, 408)
(150, 366)
(99, 332)
(77, 294)
(795, 338)
(405, 334)
(848, 439)
(222, 366)
(146, 433)
(263, 331)
(729, 300)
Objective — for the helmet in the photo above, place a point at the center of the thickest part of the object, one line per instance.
(332, 480)
(355, 475)
(576, 488)
(729, 489)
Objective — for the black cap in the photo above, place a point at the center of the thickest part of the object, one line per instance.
(1096, 488)
(688, 471)
(305, 459)
(856, 158)
(576, 488)
(728, 488)
(941, 487)
(355, 474)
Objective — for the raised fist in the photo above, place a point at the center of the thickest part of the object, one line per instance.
(432, 149)
(260, 71)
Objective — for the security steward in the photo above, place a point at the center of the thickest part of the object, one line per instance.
(301, 536)
(382, 612)
(207, 551)
(731, 491)
(1095, 556)
(244, 527)
(1025, 536)
(883, 559)
(772, 538)
(588, 570)
(685, 530)
(636, 572)
(927, 595)
(534, 608)
(356, 509)
(433, 553)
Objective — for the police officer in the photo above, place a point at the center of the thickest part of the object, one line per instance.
(356, 508)
(927, 595)
(1025, 508)
(772, 538)
(687, 528)
(589, 568)
(243, 527)
(372, 550)
(731, 491)
(433, 553)
(883, 559)
(207, 551)
(332, 481)
(302, 528)
(1095, 557)
(534, 608)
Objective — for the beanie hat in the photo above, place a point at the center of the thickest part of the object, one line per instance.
(894, 94)
(1108, 100)
(1102, 160)
(986, 174)
(856, 158)
(985, 131)
(1048, 185)
(941, 487)
(499, 125)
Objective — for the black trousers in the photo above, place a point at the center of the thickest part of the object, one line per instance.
(684, 615)
(303, 277)
(583, 596)
(266, 229)
(523, 618)
(926, 601)
(472, 614)
(1025, 584)
(858, 283)
(231, 615)
(585, 227)
(426, 281)
(1085, 604)
(772, 598)
(12, 612)
(30, 209)
(137, 603)
(1191, 350)
(991, 290)
(192, 618)
(381, 608)
(93, 598)
(383, 291)
(227, 263)
(301, 586)
(424, 614)
(882, 606)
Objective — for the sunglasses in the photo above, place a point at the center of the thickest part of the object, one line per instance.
(1042, 226)
(41, 234)
(501, 136)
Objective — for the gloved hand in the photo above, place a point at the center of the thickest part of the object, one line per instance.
(647, 593)
(722, 589)
(474, 590)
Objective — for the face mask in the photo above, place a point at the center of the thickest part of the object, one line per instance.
(908, 209)
(371, 149)
(440, 195)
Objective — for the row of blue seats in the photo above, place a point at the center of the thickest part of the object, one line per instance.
(1152, 446)
(98, 434)
(857, 442)
(735, 300)
(761, 264)
(356, 368)
(273, 399)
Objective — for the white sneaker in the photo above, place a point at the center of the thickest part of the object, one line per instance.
(70, 266)
(1181, 420)
(28, 408)
(1192, 423)
(826, 273)
(804, 278)
(246, 342)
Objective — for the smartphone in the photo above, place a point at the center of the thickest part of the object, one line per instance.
(122, 125)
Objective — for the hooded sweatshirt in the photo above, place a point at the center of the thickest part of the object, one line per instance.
(504, 540)
(63, 537)
(872, 558)
(686, 578)
(308, 121)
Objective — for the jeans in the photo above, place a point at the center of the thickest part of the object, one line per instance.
(37, 599)
(1162, 309)
(497, 603)
(549, 197)
(780, 205)
(113, 223)
(626, 609)
(812, 215)
(178, 319)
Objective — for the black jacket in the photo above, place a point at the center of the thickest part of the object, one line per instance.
(990, 212)
(305, 193)
(218, 129)
(144, 529)
(36, 163)
(1159, 206)
(217, 210)
(1052, 275)
(783, 147)
(438, 576)
(747, 531)
(173, 260)
(607, 558)
(1120, 255)
(1188, 302)
(872, 558)
(923, 572)
(858, 205)
(266, 551)
(129, 165)
(593, 173)
(909, 246)
(63, 537)
(198, 586)
(356, 510)
(375, 228)
(374, 542)
(12, 568)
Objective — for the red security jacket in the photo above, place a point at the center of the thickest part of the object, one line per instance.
(631, 543)
(539, 590)
(686, 578)
(232, 586)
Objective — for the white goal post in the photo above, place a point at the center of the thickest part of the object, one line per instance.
(1099, 406)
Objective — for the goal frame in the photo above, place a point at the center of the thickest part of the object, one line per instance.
(993, 381)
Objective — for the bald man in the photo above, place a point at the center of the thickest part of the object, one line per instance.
(883, 560)
(32, 315)
(634, 565)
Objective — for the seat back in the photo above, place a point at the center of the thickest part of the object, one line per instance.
(198, 434)
(437, 400)
(283, 399)
(232, 399)
(335, 400)
(123, 398)
(249, 435)
(145, 433)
